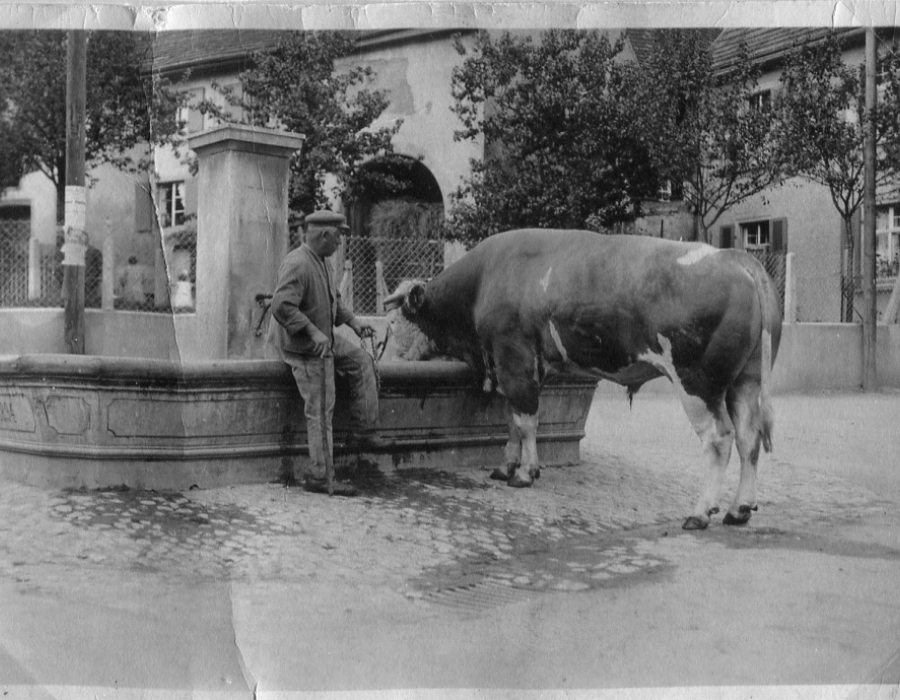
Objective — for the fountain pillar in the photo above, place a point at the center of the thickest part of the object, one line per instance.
(242, 231)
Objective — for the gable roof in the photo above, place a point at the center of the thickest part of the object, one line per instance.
(642, 40)
(218, 50)
(175, 51)
(770, 46)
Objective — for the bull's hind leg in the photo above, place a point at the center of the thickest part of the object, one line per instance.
(744, 409)
(712, 424)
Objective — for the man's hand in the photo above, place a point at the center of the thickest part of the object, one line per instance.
(362, 328)
(320, 342)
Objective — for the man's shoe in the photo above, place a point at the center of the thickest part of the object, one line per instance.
(320, 485)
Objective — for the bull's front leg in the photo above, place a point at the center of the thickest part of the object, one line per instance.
(512, 453)
(529, 469)
(518, 380)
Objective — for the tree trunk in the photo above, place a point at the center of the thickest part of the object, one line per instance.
(848, 273)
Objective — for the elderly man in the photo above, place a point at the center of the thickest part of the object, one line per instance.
(306, 308)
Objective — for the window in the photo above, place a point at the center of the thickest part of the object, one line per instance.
(189, 114)
(887, 240)
(764, 235)
(170, 204)
(761, 100)
(755, 235)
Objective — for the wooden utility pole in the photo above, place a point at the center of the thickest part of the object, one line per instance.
(870, 316)
(75, 244)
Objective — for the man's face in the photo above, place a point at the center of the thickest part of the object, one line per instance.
(331, 239)
(327, 241)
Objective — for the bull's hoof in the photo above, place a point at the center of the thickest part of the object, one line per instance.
(518, 482)
(695, 522)
(536, 473)
(741, 518)
(500, 474)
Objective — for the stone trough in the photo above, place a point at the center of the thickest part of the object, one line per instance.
(71, 421)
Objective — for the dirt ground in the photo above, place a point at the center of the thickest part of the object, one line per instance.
(447, 584)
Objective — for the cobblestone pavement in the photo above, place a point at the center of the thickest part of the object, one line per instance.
(459, 539)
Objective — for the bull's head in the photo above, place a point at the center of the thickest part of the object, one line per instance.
(403, 307)
(409, 296)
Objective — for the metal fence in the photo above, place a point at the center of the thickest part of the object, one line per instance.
(31, 274)
(376, 266)
(775, 264)
(14, 237)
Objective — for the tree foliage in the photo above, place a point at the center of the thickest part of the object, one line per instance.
(559, 149)
(823, 122)
(296, 87)
(126, 105)
(700, 126)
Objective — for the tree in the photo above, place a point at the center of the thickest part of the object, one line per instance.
(559, 150)
(703, 128)
(823, 120)
(126, 105)
(296, 87)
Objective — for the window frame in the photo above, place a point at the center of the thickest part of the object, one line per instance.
(760, 223)
(891, 233)
(168, 195)
(760, 100)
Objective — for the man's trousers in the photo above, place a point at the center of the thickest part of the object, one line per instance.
(349, 361)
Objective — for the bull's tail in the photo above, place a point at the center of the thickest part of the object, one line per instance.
(770, 337)
(767, 412)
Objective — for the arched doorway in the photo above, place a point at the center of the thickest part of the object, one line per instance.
(396, 229)
(393, 180)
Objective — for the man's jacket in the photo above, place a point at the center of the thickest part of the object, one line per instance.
(305, 296)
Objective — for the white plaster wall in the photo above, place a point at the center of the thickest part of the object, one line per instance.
(418, 77)
(814, 234)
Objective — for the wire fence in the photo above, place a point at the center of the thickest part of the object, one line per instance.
(775, 264)
(164, 281)
(376, 266)
(14, 237)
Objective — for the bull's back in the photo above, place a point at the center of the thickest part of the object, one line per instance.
(600, 301)
(533, 271)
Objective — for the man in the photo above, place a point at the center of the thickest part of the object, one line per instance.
(131, 283)
(306, 308)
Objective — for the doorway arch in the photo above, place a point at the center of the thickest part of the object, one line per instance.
(393, 178)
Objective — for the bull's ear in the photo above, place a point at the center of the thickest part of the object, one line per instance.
(416, 297)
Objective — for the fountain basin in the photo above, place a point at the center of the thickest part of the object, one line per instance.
(71, 421)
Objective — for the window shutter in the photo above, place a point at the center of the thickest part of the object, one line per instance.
(144, 211)
(779, 241)
(726, 237)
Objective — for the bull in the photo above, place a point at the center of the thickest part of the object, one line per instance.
(524, 304)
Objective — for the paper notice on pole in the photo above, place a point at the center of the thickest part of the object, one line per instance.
(75, 243)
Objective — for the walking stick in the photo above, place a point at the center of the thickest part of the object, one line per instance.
(323, 417)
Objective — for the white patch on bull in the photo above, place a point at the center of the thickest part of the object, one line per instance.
(697, 254)
(545, 280)
(698, 413)
(556, 339)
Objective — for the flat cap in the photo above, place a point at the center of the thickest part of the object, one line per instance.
(326, 217)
